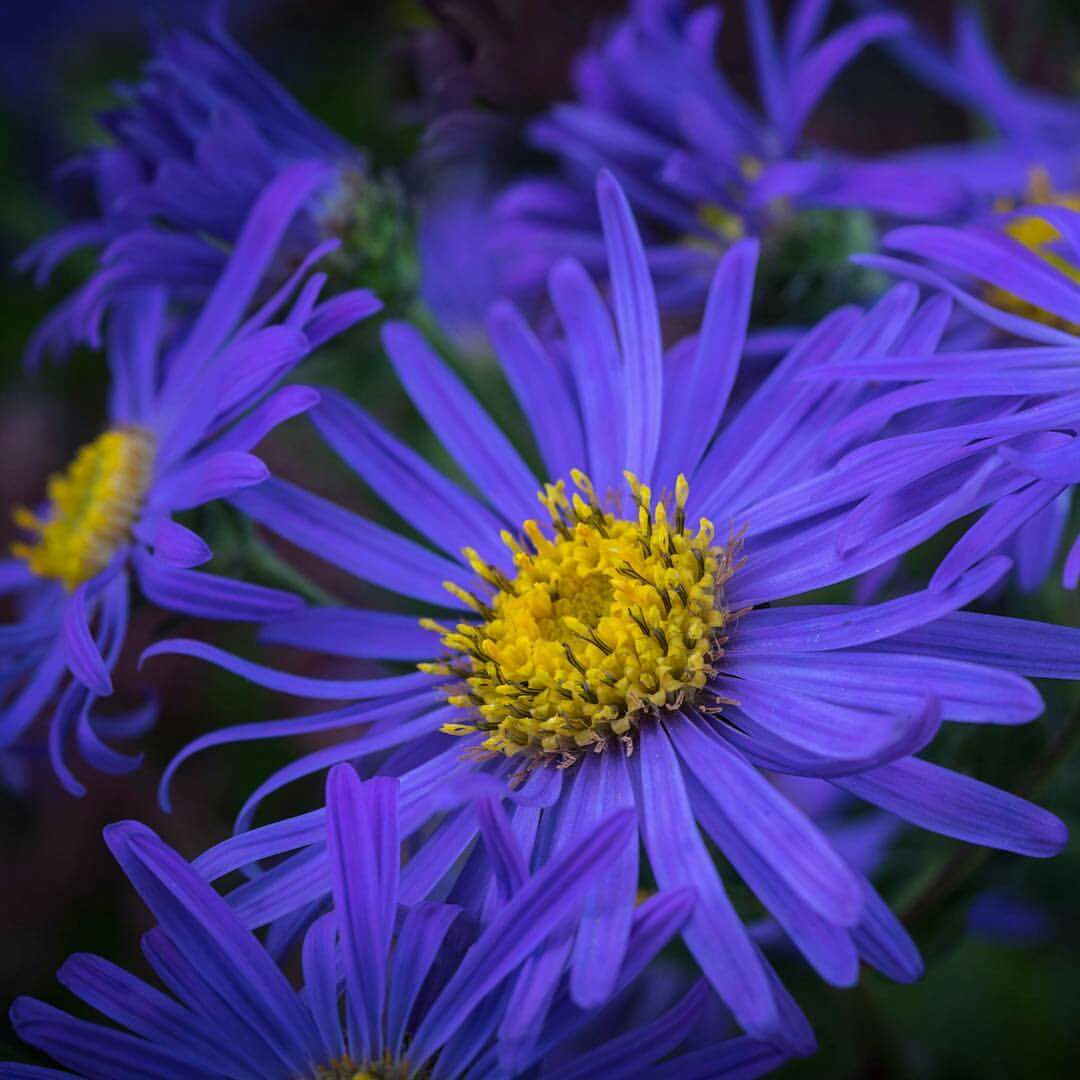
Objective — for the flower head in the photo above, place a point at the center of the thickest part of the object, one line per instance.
(645, 620)
(390, 991)
(1015, 279)
(701, 166)
(195, 144)
(184, 416)
(1031, 129)
(566, 656)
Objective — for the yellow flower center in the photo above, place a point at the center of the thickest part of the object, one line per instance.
(346, 1069)
(1038, 236)
(606, 620)
(93, 506)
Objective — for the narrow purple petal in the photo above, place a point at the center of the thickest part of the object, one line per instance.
(947, 802)
(639, 326)
(80, 649)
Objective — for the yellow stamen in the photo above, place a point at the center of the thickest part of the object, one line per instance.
(92, 508)
(605, 621)
(1038, 236)
(344, 1068)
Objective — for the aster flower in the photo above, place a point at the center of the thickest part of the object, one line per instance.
(701, 166)
(1016, 271)
(388, 992)
(184, 414)
(1016, 280)
(1031, 130)
(194, 145)
(626, 650)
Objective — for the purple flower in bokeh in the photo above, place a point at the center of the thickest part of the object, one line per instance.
(390, 991)
(185, 412)
(636, 649)
(1032, 130)
(194, 144)
(701, 166)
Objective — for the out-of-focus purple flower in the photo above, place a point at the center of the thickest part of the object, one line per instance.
(194, 145)
(185, 412)
(392, 989)
(636, 649)
(701, 166)
(1031, 129)
(458, 278)
(1002, 915)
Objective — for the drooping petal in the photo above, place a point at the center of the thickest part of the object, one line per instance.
(678, 858)
(779, 834)
(947, 802)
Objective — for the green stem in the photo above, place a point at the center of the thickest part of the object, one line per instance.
(273, 569)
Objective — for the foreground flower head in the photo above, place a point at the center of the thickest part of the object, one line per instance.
(184, 416)
(389, 992)
(625, 646)
(701, 166)
(195, 143)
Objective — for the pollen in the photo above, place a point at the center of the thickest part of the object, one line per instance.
(92, 508)
(384, 1068)
(607, 620)
(1039, 237)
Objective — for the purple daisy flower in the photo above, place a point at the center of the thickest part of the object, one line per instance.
(1016, 272)
(389, 991)
(1033, 131)
(701, 166)
(195, 144)
(627, 651)
(185, 412)
(1016, 279)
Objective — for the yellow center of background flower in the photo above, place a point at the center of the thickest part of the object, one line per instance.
(92, 507)
(385, 1068)
(1038, 236)
(606, 619)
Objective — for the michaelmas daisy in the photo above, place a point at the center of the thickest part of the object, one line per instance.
(185, 412)
(613, 634)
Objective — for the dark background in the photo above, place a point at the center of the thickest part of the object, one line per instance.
(1000, 997)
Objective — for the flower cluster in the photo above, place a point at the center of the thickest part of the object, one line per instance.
(663, 635)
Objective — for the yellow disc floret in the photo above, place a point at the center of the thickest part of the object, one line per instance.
(606, 620)
(384, 1068)
(1039, 237)
(92, 507)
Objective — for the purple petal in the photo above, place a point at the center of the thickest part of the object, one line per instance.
(946, 802)
(176, 545)
(778, 833)
(483, 452)
(209, 596)
(80, 650)
(363, 840)
(678, 857)
(639, 326)
(552, 894)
